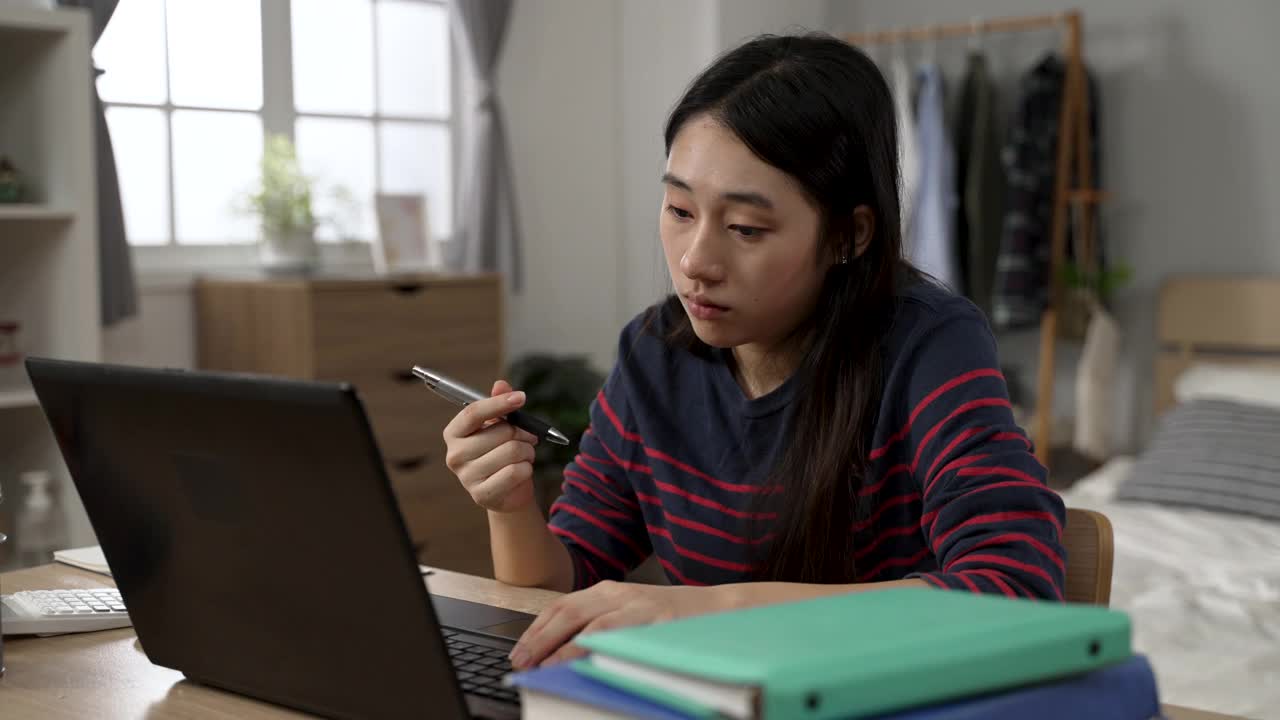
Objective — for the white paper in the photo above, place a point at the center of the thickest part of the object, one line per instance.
(86, 558)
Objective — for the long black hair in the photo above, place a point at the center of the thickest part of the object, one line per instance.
(819, 110)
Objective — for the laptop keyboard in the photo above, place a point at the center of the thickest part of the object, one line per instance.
(480, 668)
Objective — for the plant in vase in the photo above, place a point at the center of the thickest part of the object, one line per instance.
(282, 203)
(559, 389)
(1084, 289)
(10, 182)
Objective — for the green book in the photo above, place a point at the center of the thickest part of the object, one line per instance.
(854, 655)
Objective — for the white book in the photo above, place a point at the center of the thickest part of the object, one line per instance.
(86, 558)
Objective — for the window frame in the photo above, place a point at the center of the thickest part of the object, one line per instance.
(279, 114)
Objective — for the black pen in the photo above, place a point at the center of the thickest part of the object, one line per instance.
(460, 394)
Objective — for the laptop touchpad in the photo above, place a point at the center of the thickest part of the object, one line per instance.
(467, 615)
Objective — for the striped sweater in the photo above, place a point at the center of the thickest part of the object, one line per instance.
(676, 454)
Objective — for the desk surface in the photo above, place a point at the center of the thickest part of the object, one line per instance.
(105, 674)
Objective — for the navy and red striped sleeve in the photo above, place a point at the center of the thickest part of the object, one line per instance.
(988, 515)
(597, 515)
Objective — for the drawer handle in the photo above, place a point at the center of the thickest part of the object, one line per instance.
(404, 376)
(409, 288)
(411, 464)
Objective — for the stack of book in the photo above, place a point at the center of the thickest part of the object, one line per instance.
(908, 654)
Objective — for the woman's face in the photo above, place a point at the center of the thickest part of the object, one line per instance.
(740, 238)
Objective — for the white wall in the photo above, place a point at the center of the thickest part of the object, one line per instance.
(586, 88)
(1189, 104)
(739, 20)
(558, 83)
(664, 45)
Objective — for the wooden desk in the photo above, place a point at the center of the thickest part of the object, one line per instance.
(106, 675)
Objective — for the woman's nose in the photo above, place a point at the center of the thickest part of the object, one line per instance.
(702, 260)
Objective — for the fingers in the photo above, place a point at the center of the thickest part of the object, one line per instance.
(492, 458)
(608, 621)
(461, 452)
(485, 466)
(567, 652)
(491, 492)
(500, 387)
(474, 416)
(558, 624)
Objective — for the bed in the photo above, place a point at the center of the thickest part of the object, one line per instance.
(1197, 567)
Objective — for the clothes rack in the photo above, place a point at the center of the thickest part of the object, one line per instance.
(1073, 149)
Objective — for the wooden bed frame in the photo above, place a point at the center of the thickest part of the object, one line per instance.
(1224, 319)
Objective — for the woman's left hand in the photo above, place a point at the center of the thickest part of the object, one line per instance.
(603, 606)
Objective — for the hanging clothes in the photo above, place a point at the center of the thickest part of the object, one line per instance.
(980, 182)
(1029, 160)
(931, 241)
(1029, 157)
(908, 154)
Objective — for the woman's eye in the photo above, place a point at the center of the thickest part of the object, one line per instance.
(679, 212)
(747, 231)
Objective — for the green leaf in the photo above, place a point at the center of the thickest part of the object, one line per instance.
(282, 201)
(1105, 283)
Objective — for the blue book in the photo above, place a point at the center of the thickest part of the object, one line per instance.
(558, 692)
(1124, 691)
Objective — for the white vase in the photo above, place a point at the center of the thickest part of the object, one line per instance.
(289, 253)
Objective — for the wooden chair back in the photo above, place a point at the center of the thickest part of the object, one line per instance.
(1089, 542)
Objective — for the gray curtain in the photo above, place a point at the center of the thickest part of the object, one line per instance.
(115, 263)
(489, 237)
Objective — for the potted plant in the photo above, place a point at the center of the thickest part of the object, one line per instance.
(11, 190)
(282, 204)
(559, 389)
(1086, 289)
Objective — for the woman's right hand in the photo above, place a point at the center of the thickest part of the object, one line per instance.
(493, 459)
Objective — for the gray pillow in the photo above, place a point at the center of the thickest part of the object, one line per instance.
(1212, 454)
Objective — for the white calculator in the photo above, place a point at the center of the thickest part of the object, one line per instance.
(53, 612)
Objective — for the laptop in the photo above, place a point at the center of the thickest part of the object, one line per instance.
(255, 539)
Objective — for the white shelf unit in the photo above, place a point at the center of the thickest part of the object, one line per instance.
(48, 245)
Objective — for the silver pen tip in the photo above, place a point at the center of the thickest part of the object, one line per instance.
(557, 437)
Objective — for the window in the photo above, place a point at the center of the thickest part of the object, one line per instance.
(191, 88)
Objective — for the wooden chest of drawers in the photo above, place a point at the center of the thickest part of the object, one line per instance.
(369, 332)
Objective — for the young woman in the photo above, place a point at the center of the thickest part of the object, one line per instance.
(805, 415)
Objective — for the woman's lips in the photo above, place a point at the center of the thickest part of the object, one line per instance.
(703, 309)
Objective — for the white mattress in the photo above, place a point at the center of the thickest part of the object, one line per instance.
(1203, 590)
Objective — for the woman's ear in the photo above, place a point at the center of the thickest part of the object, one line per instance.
(864, 228)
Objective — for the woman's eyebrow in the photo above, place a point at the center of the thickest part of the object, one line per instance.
(745, 197)
(675, 182)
